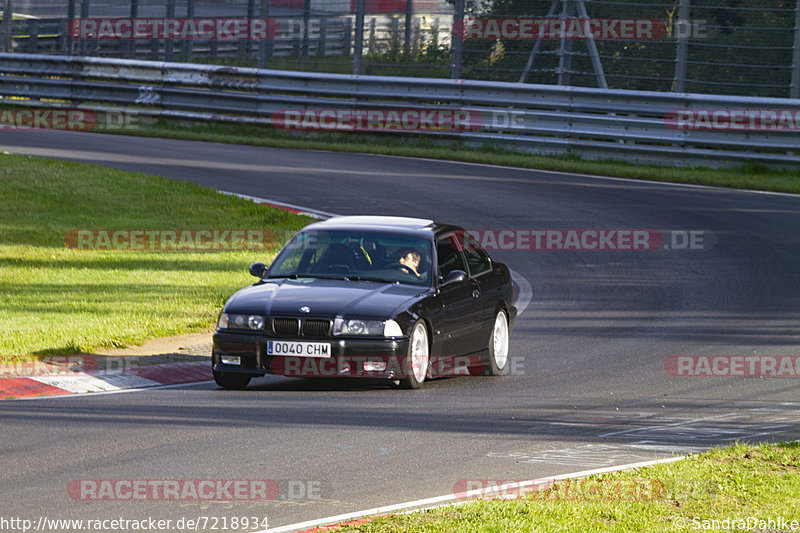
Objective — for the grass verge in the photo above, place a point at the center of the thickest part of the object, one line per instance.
(756, 177)
(743, 487)
(62, 300)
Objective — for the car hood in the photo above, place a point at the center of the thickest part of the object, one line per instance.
(324, 297)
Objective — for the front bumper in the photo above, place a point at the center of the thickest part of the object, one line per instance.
(350, 357)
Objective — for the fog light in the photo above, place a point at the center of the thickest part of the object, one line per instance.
(231, 360)
(374, 366)
(344, 368)
(255, 322)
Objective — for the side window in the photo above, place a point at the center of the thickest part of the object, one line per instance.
(450, 257)
(477, 259)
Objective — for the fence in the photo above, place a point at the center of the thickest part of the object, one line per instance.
(593, 123)
(698, 46)
(313, 34)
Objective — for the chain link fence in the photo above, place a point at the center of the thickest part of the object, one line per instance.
(704, 46)
(730, 47)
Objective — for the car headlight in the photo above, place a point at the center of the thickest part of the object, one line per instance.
(255, 322)
(371, 328)
(237, 321)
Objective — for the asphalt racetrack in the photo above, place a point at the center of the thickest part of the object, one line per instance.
(596, 354)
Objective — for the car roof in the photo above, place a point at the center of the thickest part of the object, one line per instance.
(420, 227)
(372, 222)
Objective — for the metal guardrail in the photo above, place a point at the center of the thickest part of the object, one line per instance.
(592, 123)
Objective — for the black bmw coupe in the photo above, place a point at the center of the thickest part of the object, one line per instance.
(401, 299)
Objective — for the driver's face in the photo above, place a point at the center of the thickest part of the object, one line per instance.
(411, 261)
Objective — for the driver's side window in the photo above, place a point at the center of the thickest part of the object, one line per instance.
(449, 256)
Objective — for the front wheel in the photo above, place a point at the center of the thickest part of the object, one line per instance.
(416, 367)
(227, 380)
(498, 345)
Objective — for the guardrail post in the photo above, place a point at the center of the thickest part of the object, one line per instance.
(409, 23)
(7, 21)
(189, 45)
(131, 45)
(358, 44)
(347, 36)
(682, 52)
(82, 48)
(322, 44)
(457, 40)
(251, 13)
(394, 36)
(70, 18)
(794, 89)
(306, 29)
(565, 49)
(371, 43)
(33, 36)
(168, 42)
(265, 46)
(155, 48)
(213, 48)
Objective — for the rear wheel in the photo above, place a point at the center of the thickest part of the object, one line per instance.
(227, 380)
(416, 367)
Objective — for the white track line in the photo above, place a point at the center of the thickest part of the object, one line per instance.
(593, 176)
(458, 499)
(315, 213)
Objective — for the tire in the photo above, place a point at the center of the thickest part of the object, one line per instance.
(498, 346)
(228, 380)
(418, 358)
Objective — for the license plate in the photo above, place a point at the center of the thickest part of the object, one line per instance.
(299, 349)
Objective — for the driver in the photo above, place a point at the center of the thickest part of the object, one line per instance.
(409, 260)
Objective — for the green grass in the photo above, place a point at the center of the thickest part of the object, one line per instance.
(751, 176)
(743, 481)
(61, 300)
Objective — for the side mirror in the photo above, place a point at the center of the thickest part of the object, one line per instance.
(454, 276)
(259, 270)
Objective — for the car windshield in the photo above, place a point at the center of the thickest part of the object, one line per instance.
(355, 255)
